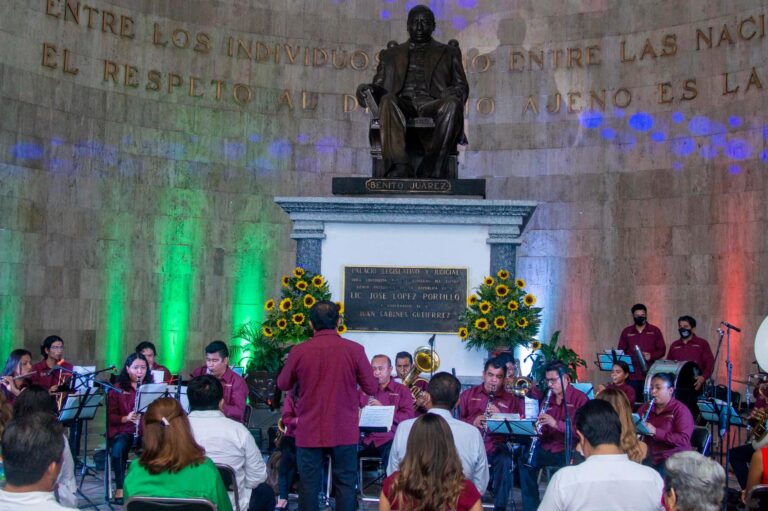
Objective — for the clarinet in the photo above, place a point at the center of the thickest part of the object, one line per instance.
(136, 409)
(487, 414)
(535, 441)
(648, 411)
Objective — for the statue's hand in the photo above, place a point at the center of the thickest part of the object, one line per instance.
(361, 90)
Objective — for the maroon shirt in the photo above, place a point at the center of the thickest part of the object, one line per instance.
(473, 403)
(695, 350)
(627, 389)
(289, 416)
(235, 392)
(650, 340)
(327, 370)
(121, 405)
(467, 498)
(393, 394)
(674, 427)
(46, 380)
(553, 439)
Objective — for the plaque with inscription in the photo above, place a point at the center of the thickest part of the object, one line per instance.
(404, 299)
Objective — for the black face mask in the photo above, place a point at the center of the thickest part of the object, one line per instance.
(640, 320)
(684, 332)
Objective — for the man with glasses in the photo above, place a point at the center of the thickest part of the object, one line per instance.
(47, 371)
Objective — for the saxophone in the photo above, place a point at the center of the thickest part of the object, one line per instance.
(535, 441)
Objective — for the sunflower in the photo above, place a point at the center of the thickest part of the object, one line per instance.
(502, 274)
(536, 345)
(485, 307)
(285, 281)
(529, 299)
(472, 299)
(502, 290)
(302, 285)
(282, 323)
(340, 305)
(298, 318)
(463, 333)
(488, 281)
(269, 305)
(318, 281)
(298, 272)
(481, 324)
(522, 322)
(285, 304)
(500, 322)
(520, 283)
(513, 306)
(341, 329)
(267, 332)
(309, 301)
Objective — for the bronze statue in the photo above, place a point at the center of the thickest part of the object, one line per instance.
(421, 78)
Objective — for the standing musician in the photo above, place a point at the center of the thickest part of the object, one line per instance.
(650, 340)
(388, 393)
(147, 349)
(475, 405)
(48, 375)
(550, 451)
(124, 421)
(690, 347)
(670, 423)
(18, 364)
(619, 376)
(235, 387)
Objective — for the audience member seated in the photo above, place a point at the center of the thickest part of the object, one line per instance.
(619, 376)
(444, 389)
(693, 482)
(757, 470)
(32, 447)
(430, 475)
(149, 351)
(172, 464)
(228, 442)
(235, 387)
(389, 393)
(635, 449)
(607, 472)
(36, 400)
(124, 420)
(287, 468)
(19, 363)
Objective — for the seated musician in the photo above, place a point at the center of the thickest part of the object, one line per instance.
(743, 454)
(18, 364)
(389, 393)
(475, 405)
(550, 451)
(147, 349)
(670, 423)
(619, 376)
(403, 365)
(124, 422)
(690, 347)
(650, 340)
(287, 469)
(45, 375)
(235, 388)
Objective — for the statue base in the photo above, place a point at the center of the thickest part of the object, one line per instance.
(409, 187)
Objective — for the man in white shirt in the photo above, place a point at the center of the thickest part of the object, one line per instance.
(444, 390)
(32, 450)
(607, 480)
(228, 442)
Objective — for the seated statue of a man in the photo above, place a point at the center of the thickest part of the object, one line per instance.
(419, 78)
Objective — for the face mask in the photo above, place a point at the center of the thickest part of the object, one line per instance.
(640, 321)
(684, 332)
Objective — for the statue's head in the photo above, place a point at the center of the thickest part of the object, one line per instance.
(421, 24)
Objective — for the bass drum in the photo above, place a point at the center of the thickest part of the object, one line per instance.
(761, 345)
(685, 376)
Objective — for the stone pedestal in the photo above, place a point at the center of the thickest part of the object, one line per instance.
(480, 235)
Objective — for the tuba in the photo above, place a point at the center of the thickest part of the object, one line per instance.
(425, 360)
(518, 384)
(758, 421)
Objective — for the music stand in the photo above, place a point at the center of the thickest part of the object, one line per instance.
(605, 361)
(512, 427)
(585, 387)
(720, 417)
(640, 425)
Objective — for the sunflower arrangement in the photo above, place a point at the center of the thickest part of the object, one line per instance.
(286, 320)
(500, 313)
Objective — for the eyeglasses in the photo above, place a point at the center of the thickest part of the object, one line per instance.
(56, 348)
(552, 380)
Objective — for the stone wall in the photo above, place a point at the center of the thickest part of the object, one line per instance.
(141, 145)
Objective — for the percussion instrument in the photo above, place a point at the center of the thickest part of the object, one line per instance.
(685, 373)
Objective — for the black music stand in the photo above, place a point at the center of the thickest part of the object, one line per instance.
(720, 416)
(512, 427)
(76, 408)
(605, 361)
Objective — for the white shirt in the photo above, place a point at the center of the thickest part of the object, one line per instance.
(228, 442)
(29, 501)
(604, 482)
(469, 445)
(67, 490)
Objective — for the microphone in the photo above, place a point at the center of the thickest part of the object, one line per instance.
(728, 325)
(59, 367)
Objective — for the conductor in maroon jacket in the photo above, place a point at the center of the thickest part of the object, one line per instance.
(324, 373)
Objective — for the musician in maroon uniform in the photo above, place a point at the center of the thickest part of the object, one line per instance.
(475, 405)
(147, 349)
(124, 420)
(235, 387)
(403, 365)
(48, 373)
(18, 364)
(619, 376)
(650, 340)
(670, 423)
(550, 451)
(690, 347)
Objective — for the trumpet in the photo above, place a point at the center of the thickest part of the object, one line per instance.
(535, 441)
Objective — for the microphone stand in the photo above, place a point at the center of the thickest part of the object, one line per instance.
(729, 369)
(567, 422)
(106, 387)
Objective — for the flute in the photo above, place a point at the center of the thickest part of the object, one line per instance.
(22, 376)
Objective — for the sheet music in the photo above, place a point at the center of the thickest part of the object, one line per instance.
(183, 398)
(158, 376)
(81, 385)
(503, 416)
(148, 393)
(639, 425)
(377, 417)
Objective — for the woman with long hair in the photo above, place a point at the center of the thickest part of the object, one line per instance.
(430, 476)
(124, 420)
(619, 377)
(635, 449)
(19, 363)
(172, 463)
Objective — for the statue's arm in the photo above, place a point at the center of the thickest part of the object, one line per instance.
(376, 86)
(459, 84)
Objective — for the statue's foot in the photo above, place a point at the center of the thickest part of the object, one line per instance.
(400, 171)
